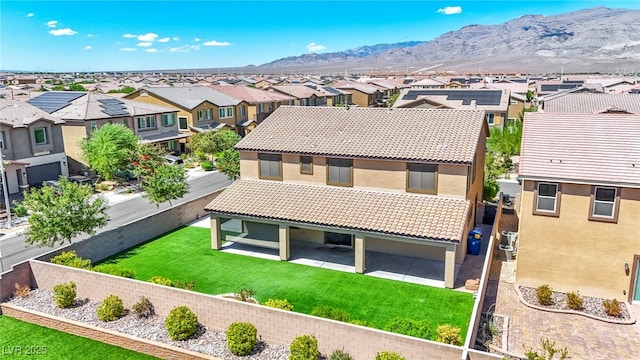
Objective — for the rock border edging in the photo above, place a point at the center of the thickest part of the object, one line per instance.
(527, 304)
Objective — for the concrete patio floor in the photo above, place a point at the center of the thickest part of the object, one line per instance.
(377, 264)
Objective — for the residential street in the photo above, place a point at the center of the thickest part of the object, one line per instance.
(126, 209)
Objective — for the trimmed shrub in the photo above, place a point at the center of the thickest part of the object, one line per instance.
(544, 294)
(21, 291)
(304, 347)
(386, 355)
(574, 301)
(181, 323)
(612, 307)
(448, 334)
(363, 323)
(329, 312)
(65, 294)
(187, 285)
(113, 269)
(245, 294)
(110, 309)
(416, 328)
(206, 165)
(340, 355)
(160, 280)
(70, 258)
(143, 308)
(241, 338)
(279, 304)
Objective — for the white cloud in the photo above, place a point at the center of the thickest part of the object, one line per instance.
(450, 10)
(127, 49)
(145, 44)
(90, 35)
(65, 31)
(88, 47)
(164, 40)
(197, 39)
(30, 14)
(148, 37)
(175, 38)
(129, 36)
(151, 50)
(195, 47)
(52, 23)
(216, 43)
(315, 47)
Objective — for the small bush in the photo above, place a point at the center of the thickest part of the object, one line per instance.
(612, 307)
(544, 294)
(304, 347)
(340, 355)
(160, 280)
(574, 301)
(241, 338)
(245, 294)
(363, 323)
(329, 312)
(279, 304)
(206, 165)
(416, 328)
(110, 309)
(181, 323)
(21, 291)
(18, 209)
(113, 269)
(187, 285)
(70, 258)
(385, 355)
(549, 351)
(143, 308)
(65, 294)
(448, 334)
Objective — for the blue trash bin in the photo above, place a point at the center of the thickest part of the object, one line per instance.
(474, 240)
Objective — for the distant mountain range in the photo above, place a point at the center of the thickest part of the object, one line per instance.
(597, 39)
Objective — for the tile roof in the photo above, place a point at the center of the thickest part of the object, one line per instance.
(91, 107)
(402, 134)
(191, 96)
(16, 113)
(401, 214)
(593, 103)
(251, 95)
(593, 148)
(451, 98)
(297, 91)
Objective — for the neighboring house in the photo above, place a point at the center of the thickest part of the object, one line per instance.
(302, 95)
(495, 103)
(397, 181)
(364, 95)
(259, 103)
(333, 96)
(517, 93)
(31, 145)
(85, 112)
(201, 107)
(591, 103)
(580, 204)
(429, 84)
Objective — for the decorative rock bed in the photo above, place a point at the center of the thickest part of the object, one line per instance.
(206, 341)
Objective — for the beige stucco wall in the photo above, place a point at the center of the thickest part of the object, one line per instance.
(359, 98)
(72, 135)
(248, 165)
(308, 235)
(405, 249)
(515, 109)
(572, 253)
(151, 99)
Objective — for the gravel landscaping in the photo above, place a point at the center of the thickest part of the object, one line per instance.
(205, 340)
(590, 305)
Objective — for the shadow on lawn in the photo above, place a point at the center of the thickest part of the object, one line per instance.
(132, 251)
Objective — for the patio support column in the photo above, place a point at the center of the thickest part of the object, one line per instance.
(283, 237)
(216, 235)
(450, 266)
(359, 250)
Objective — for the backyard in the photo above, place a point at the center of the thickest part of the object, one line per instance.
(185, 254)
(22, 339)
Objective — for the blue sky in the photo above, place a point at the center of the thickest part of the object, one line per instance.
(117, 35)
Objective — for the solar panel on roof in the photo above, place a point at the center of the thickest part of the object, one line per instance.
(113, 107)
(482, 97)
(53, 101)
(116, 112)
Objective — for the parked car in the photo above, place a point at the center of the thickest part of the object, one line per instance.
(173, 160)
(82, 180)
(54, 185)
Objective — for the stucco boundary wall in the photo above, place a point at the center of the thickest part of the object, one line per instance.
(476, 314)
(107, 336)
(274, 326)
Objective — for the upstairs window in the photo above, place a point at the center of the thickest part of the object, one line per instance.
(270, 166)
(490, 118)
(306, 165)
(605, 203)
(422, 178)
(146, 122)
(225, 112)
(340, 172)
(40, 136)
(2, 143)
(168, 119)
(547, 199)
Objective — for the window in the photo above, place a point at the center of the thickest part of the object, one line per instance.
(306, 165)
(200, 115)
(547, 199)
(604, 205)
(339, 172)
(225, 112)
(40, 135)
(513, 102)
(94, 126)
(2, 144)
(270, 107)
(260, 108)
(337, 239)
(422, 178)
(490, 118)
(183, 123)
(270, 166)
(146, 122)
(208, 114)
(168, 119)
(172, 145)
(125, 122)
(242, 110)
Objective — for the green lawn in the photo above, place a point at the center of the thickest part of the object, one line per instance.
(185, 254)
(19, 339)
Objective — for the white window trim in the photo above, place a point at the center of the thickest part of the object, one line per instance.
(145, 120)
(555, 198)
(225, 112)
(613, 203)
(46, 140)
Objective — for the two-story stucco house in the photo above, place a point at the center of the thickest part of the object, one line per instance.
(580, 204)
(398, 181)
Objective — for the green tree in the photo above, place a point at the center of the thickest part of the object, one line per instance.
(492, 171)
(212, 142)
(392, 99)
(530, 95)
(76, 87)
(506, 141)
(124, 90)
(167, 183)
(148, 159)
(110, 149)
(57, 218)
(228, 163)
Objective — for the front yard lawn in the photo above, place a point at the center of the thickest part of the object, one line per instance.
(22, 339)
(185, 254)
